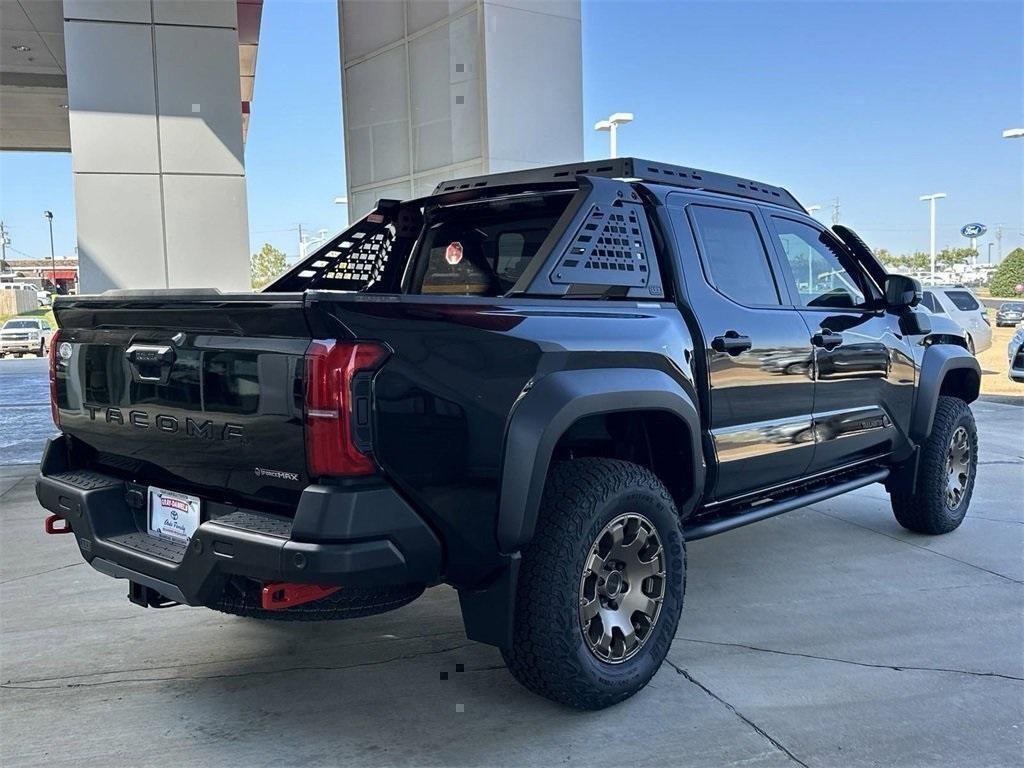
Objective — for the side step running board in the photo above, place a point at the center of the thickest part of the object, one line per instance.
(701, 530)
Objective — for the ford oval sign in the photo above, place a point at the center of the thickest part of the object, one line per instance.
(973, 230)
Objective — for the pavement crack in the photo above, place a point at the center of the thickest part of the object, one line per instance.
(894, 667)
(761, 731)
(26, 685)
(917, 546)
(40, 573)
(17, 483)
(994, 519)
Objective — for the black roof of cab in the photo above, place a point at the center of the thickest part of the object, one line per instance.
(634, 169)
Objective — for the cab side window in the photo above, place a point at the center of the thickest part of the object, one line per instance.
(735, 259)
(823, 274)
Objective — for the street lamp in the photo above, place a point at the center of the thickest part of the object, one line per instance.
(931, 200)
(1013, 133)
(53, 260)
(343, 201)
(810, 253)
(611, 125)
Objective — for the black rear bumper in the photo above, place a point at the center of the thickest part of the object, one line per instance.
(337, 537)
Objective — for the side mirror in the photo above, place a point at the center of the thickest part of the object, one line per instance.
(902, 292)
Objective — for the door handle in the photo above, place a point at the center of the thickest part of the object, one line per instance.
(150, 363)
(731, 343)
(826, 339)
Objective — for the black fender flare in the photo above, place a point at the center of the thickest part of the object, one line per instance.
(552, 405)
(938, 361)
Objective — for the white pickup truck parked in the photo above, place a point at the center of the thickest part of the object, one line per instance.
(22, 335)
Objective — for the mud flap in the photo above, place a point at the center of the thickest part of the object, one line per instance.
(488, 613)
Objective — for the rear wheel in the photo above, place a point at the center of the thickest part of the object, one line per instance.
(945, 474)
(601, 585)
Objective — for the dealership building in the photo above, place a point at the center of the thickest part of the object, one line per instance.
(153, 98)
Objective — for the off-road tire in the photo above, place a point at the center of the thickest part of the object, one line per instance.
(347, 603)
(926, 510)
(549, 654)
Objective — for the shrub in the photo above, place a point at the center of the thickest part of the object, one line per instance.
(1009, 274)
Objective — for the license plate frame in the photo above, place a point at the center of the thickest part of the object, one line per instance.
(173, 516)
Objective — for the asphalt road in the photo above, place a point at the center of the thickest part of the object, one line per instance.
(825, 637)
(25, 420)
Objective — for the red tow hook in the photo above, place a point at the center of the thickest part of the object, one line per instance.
(50, 524)
(278, 595)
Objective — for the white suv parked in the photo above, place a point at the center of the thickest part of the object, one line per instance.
(961, 306)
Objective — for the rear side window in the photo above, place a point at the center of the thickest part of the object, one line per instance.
(734, 254)
(482, 249)
(963, 300)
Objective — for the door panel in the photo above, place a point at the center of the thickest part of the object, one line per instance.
(759, 360)
(863, 367)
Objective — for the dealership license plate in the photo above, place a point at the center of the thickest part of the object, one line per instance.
(173, 516)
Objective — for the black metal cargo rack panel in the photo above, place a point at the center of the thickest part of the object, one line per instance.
(631, 168)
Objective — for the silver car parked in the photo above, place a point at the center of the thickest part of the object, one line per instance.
(961, 306)
(1015, 355)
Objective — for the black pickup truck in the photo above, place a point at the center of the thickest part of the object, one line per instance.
(534, 387)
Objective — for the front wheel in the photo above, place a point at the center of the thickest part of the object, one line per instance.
(945, 475)
(601, 585)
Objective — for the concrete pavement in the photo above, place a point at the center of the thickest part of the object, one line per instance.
(826, 637)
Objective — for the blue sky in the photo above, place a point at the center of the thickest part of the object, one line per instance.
(874, 103)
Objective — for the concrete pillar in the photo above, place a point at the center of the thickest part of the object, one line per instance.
(435, 89)
(156, 143)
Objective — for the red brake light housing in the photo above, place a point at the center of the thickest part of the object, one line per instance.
(54, 411)
(338, 376)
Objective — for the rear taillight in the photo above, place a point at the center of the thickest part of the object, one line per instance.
(54, 411)
(338, 406)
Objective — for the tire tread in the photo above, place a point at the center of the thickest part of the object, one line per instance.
(544, 657)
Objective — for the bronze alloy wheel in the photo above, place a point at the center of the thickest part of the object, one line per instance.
(958, 467)
(622, 588)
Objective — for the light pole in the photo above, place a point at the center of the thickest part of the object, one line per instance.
(343, 201)
(931, 200)
(611, 125)
(810, 253)
(990, 253)
(53, 259)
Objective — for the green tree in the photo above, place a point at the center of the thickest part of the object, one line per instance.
(949, 257)
(1009, 274)
(888, 258)
(910, 262)
(266, 265)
